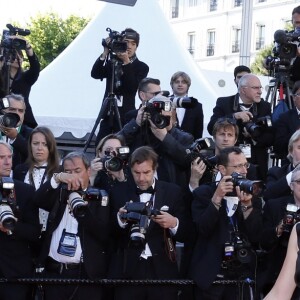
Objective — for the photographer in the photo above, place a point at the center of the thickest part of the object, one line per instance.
(19, 227)
(77, 233)
(15, 132)
(20, 81)
(151, 256)
(168, 141)
(129, 70)
(280, 214)
(247, 109)
(222, 220)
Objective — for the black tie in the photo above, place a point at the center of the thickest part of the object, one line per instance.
(246, 105)
(40, 167)
(149, 190)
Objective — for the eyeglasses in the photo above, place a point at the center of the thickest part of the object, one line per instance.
(254, 87)
(296, 95)
(228, 120)
(245, 165)
(152, 93)
(296, 181)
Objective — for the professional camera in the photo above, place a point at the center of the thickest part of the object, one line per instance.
(194, 151)
(139, 214)
(256, 128)
(254, 187)
(116, 44)
(185, 102)
(237, 251)
(115, 162)
(7, 119)
(7, 203)
(78, 200)
(291, 217)
(154, 107)
(16, 43)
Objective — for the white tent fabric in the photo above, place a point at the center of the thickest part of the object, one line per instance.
(66, 98)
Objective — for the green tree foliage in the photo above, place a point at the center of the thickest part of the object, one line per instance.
(51, 35)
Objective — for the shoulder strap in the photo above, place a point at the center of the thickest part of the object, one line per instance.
(298, 234)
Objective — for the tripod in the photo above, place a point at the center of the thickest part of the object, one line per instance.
(109, 106)
(279, 83)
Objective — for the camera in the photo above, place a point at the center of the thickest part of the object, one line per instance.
(116, 44)
(16, 43)
(7, 203)
(139, 214)
(116, 162)
(154, 107)
(256, 128)
(7, 119)
(184, 102)
(253, 187)
(77, 200)
(198, 145)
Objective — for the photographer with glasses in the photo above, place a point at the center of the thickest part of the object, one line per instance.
(228, 222)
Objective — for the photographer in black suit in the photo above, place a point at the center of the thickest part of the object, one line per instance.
(225, 224)
(247, 109)
(129, 71)
(76, 238)
(151, 256)
(15, 240)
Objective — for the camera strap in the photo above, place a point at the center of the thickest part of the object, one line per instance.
(169, 246)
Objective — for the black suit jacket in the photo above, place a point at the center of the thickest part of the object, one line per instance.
(93, 229)
(287, 123)
(15, 255)
(212, 226)
(126, 256)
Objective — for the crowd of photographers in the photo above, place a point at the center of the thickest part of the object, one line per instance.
(158, 201)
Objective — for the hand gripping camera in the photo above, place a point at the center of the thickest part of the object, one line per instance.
(116, 44)
(257, 127)
(78, 200)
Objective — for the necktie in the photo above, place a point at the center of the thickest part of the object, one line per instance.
(40, 167)
(149, 190)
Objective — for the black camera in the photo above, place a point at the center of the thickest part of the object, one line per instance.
(116, 162)
(7, 203)
(254, 187)
(185, 102)
(256, 127)
(194, 151)
(8, 119)
(155, 107)
(16, 43)
(116, 44)
(139, 214)
(78, 200)
(291, 217)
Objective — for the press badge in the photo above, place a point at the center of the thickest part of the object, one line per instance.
(67, 244)
(246, 148)
(120, 101)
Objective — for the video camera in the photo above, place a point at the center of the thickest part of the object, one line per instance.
(256, 127)
(139, 214)
(194, 151)
(9, 119)
(117, 161)
(16, 43)
(154, 107)
(253, 187)
(7, 203)
(77, 200)
(116, 44)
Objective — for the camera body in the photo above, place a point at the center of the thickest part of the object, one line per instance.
(116, 44)
(256, 127)
(8, 203)
(253, 187)
(116, 162)
(7, 119)
(155, 107)
(16, 43)
(139, 213)
(77, 200)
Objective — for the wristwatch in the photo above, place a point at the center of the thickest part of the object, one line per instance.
(246, 207)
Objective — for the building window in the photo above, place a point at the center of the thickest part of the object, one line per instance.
(191, 42)
(260, 1)
(260, 41)
(213, 5)
(236, 41)
(175, 8)
(211, 34)
(238, 3)
(193, 2)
